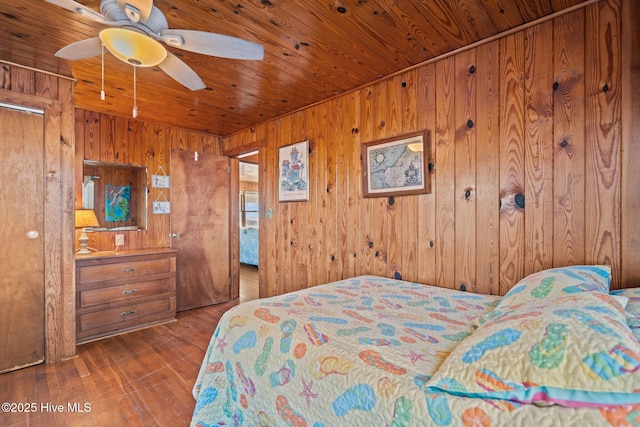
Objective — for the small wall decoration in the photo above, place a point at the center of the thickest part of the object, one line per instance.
(396, 166)
(117, 203)
(161, 207)
(294, 172)
(160, 179)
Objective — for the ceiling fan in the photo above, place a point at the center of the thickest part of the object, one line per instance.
(138, 27)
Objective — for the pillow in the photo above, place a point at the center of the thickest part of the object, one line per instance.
(553, 282)
(572, 350)
(632, 311)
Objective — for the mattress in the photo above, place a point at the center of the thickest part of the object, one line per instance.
(249, 246)
(357, 352)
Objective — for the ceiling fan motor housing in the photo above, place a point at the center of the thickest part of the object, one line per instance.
(153, 26)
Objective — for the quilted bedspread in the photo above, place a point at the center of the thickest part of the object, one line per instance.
(357, 352)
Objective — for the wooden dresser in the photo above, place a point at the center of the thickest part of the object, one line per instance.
(125, 290)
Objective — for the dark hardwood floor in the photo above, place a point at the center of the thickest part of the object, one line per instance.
(143, 378)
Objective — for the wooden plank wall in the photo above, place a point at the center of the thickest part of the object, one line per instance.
(535, 165)
(54, 95)
(125, 140)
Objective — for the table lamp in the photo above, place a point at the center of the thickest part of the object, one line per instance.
(85, 218)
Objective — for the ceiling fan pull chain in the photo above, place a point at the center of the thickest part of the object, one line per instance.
(102, 97)
(135, 104)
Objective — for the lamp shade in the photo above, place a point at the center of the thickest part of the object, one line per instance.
(86, 218)
(133, 47)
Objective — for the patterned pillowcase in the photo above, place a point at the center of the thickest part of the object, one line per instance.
(632, 310)
(572, 350)
(550, 283)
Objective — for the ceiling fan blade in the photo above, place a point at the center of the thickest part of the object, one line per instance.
(82, 49)
(74, 6)
(212, 44)
(181, 72)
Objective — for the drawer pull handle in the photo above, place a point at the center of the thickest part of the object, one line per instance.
(128, 313)
(128, 270)
(129, 291)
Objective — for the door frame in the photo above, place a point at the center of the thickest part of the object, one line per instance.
(59, 230)
(235, 155)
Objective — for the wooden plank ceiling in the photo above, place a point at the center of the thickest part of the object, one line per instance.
(314, 49)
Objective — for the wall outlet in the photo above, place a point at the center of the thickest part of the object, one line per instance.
(119, 239)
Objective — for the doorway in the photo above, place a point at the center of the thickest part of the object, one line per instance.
(248, 224)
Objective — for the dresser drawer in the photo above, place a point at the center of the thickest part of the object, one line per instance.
(124, 291)
(122, 270)
(120, 293)
(125, 317)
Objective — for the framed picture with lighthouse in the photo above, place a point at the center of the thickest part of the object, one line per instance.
(293, 167)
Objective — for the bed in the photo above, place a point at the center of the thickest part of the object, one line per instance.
(557, 349)
(249, 245)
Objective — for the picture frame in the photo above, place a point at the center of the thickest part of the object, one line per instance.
(396, 166)
(293, 172)
(161, 207)
(160, 181)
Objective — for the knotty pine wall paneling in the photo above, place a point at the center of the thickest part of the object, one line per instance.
(425, 91)
(465, 163)
(532, 143)
(125, 140)
(487, 193)
(602, 71)
(569, 139)
(630, 116)
(538, 155)
(408, 110)
(512, 148)
(444, 178)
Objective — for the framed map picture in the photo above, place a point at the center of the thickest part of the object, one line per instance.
(396, 166)
(293, 163)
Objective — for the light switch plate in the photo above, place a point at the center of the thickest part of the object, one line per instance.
(119, 239)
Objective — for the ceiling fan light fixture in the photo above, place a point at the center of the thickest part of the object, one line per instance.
(132, 47)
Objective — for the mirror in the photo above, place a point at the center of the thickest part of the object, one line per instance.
(117, 193)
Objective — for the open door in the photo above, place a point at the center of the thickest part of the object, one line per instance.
(200, 219)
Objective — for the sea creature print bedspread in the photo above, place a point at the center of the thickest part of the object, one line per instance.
(364, 352)
(351, 353)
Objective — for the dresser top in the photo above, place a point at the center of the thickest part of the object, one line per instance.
(125, 254)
